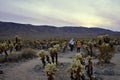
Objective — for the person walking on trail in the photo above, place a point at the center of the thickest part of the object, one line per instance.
(71, 44)
(78, 46)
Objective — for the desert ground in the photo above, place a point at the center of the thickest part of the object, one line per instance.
(32, 69)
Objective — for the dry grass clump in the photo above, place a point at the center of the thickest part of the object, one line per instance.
(28, 53)
(13, 57)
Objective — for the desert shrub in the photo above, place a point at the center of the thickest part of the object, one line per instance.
(28, 53)
(13, 57)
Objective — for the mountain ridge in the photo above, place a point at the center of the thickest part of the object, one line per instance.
(29, 31)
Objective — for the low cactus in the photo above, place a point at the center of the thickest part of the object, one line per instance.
(76, 70)
(50, 70)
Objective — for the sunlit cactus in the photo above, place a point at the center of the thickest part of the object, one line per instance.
(54, 54)
(42, 55)
(106, 52)
(57, 46)
(79, 57)
(76, 70)
(50, 70)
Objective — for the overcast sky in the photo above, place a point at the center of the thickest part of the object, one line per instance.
(89, 13)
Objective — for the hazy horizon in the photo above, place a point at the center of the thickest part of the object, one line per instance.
(37, 25)
(86, 13)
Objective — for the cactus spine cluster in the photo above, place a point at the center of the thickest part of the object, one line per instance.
(50, 70)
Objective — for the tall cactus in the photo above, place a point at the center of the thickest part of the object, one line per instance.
(42, 55)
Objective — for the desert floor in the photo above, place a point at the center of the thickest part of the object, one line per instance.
(32, 69)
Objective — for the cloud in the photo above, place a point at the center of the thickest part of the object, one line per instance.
(42, 20)
(101, 13)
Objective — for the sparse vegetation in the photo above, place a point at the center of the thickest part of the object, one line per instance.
(28, 53)
(13, 57)
(48, 50)
(76, 70)
(106, 49)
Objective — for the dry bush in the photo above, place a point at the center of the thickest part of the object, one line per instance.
(13, 57)
(28, 53)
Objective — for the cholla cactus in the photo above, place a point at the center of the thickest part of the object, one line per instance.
(50, 70)
(17, 39)
(54, 54)
(76, 70)
(64, 46)
(4, 48)
(57, 46)
(106, 52)
(79, 57)
(18, 43)
(50, 51)
(88, 58)
(89, 67)
(42, 55)
(90, 46)
(1, 49)
(11, 46)
(100, 39)
(18, 46)
(103, 38)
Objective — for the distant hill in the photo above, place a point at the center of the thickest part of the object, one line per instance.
(28, 31)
